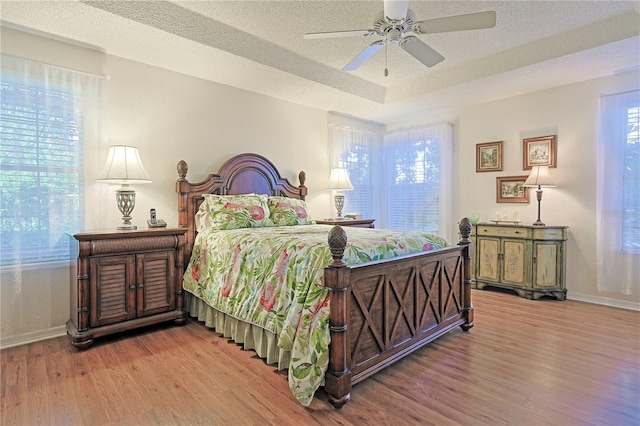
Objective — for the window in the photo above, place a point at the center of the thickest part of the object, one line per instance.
(404, 182)
(414, 182)
(359, 163)
(357, 151)
(40, 171)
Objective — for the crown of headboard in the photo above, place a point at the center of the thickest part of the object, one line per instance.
(242, 174)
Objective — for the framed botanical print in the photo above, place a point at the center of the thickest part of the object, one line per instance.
(511, 189)
(540, 151)
(489, 157)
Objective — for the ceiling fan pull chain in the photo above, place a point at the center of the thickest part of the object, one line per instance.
(386, 59)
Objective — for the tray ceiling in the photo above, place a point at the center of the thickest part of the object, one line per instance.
(258, 46)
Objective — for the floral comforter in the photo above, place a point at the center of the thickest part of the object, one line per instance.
(273, 277)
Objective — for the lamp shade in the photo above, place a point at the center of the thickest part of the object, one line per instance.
(539, 177)
(339, 179)
(123, 166)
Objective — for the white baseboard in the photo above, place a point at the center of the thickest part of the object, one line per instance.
(35, 336)
(603, 301)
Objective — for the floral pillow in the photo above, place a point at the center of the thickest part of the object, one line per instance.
(289, 211)
(233, 212)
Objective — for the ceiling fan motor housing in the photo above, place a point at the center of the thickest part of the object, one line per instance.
(392, 30)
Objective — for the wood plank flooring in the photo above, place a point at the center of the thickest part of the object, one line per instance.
(524, 363)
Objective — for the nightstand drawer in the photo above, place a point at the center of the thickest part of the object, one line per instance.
(502, 231)
(549, 234)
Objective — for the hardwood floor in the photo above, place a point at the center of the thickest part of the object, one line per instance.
(524, 363)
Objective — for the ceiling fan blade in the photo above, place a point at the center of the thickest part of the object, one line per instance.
(363, 56)
(471, 21)
(416, 48)
(335, 34)
(396, 9)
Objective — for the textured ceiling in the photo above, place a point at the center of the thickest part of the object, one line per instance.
(259, 46)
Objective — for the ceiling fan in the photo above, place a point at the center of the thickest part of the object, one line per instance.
(397, 23)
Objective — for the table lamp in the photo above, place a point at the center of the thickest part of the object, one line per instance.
(124, 166)
(339, 181)
(539, 177)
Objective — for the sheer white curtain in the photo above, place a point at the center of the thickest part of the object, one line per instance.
(403, 179)
(420, 156)
(358, 151)
(52, 126)
(617, 209)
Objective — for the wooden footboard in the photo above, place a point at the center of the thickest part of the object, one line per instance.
(383, 311)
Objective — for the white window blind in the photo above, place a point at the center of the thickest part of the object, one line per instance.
(359, 164)
(413, 180)
(41, 170)
(357, 151)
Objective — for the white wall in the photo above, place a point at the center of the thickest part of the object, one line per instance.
(173, 117)
(571, 113)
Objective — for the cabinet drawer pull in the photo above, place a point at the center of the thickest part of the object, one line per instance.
(140, 285)
(132, 287)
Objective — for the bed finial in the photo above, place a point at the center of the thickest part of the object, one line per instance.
(337, 245)
(302, 177)
(182, 170)
(465, 230)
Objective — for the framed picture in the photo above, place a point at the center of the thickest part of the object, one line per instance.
(539, 151)
(489, 157)
(510, 189)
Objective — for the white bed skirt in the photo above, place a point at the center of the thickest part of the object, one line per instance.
(263, 342)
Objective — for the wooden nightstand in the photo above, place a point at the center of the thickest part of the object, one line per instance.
(124, 280)
(358, 223)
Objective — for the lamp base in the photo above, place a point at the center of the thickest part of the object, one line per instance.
(126, 199)
(539, 197)
(339, 201)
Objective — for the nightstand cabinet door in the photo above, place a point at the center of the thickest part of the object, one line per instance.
(113, 295)
(548, 271)
(515, 268)
(488, 253)
(155, 274)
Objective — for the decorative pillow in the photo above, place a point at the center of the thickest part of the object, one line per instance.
(289, 211)
(233, 212)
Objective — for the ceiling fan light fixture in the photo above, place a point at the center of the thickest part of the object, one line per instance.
(394, 35)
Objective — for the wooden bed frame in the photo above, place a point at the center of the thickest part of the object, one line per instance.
(379, 311)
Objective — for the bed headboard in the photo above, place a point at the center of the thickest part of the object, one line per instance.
(242, 174)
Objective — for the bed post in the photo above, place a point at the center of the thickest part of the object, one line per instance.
(467, 254)
(302, 177)
(183, 187)
(336, 277)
